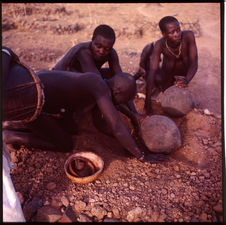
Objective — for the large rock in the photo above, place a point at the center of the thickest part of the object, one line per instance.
(160, 134)
(177, 101)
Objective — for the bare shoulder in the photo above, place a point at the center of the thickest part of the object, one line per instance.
(83, 48)
(159, 44)
(113, 52)
(188, 35)
(148, 47)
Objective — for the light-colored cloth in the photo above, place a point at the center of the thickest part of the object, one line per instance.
(12, 211)
(6, 51)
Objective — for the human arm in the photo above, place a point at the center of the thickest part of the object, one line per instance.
(118, 129)
(114, 62)
(133, 109)
(182, 81)
(86, 61)
(193, 56)
(147, 156)
(122, 134)
(144, 59)
(153, 66)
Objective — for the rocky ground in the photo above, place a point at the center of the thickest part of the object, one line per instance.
(188, 187)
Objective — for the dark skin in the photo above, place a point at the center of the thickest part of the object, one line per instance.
(180, 58)
(90, 57)
(77, 92)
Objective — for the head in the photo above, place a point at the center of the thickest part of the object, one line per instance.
(123, 88)
(170, 29)
(102, 41)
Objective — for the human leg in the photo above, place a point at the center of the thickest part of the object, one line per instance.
(100, 122)
(44, 133)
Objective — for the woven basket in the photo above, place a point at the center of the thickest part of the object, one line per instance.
(95, 159)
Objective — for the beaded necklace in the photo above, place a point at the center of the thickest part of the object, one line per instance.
(176, 55)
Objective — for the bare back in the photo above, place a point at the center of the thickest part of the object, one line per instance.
(80, 59)
(73, 91)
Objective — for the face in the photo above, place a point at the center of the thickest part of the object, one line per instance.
(101, 47)
(173, 32)
(122, 96)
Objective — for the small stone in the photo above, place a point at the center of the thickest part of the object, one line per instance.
(172, 195)
(48, 214)
(181, 219)
(116, 213)
(91, 200)
(201, 178)
(84, 218)
(110, 220)
(125, 185)
(99, 212)
(141, 95)
(205, 141)
(64, 201)
(194, 220)
(21, 198)
(14, 158)
(206, 174)
(131, 187)
(203, 217)
(218, 208)
(50, 186)
(176, 168)
(207, 112)
(109, 214)
(134, 214)
(79, 206)
(56, 203)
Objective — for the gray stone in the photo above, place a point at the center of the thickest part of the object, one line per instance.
(218, 208)
(68, 216)
(79, 206)
(98, 212)
(110, 220)
(64, 201)
(177, 101)
(84, 218)
(48, 214)
(50, 186)
(31, 207)
(135, 215)
(160, 134)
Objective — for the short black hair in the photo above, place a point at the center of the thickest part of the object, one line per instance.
(105, 31)
(165, 20)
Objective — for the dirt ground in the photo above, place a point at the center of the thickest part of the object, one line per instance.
(40, 34)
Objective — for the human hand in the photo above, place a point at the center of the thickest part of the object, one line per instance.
(155, 158)
(140, 117)
(141, 70)
(181, 82)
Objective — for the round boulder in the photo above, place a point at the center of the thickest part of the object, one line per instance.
(160, 134)
(177, 101)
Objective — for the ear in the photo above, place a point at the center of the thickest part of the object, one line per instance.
(164, 34)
